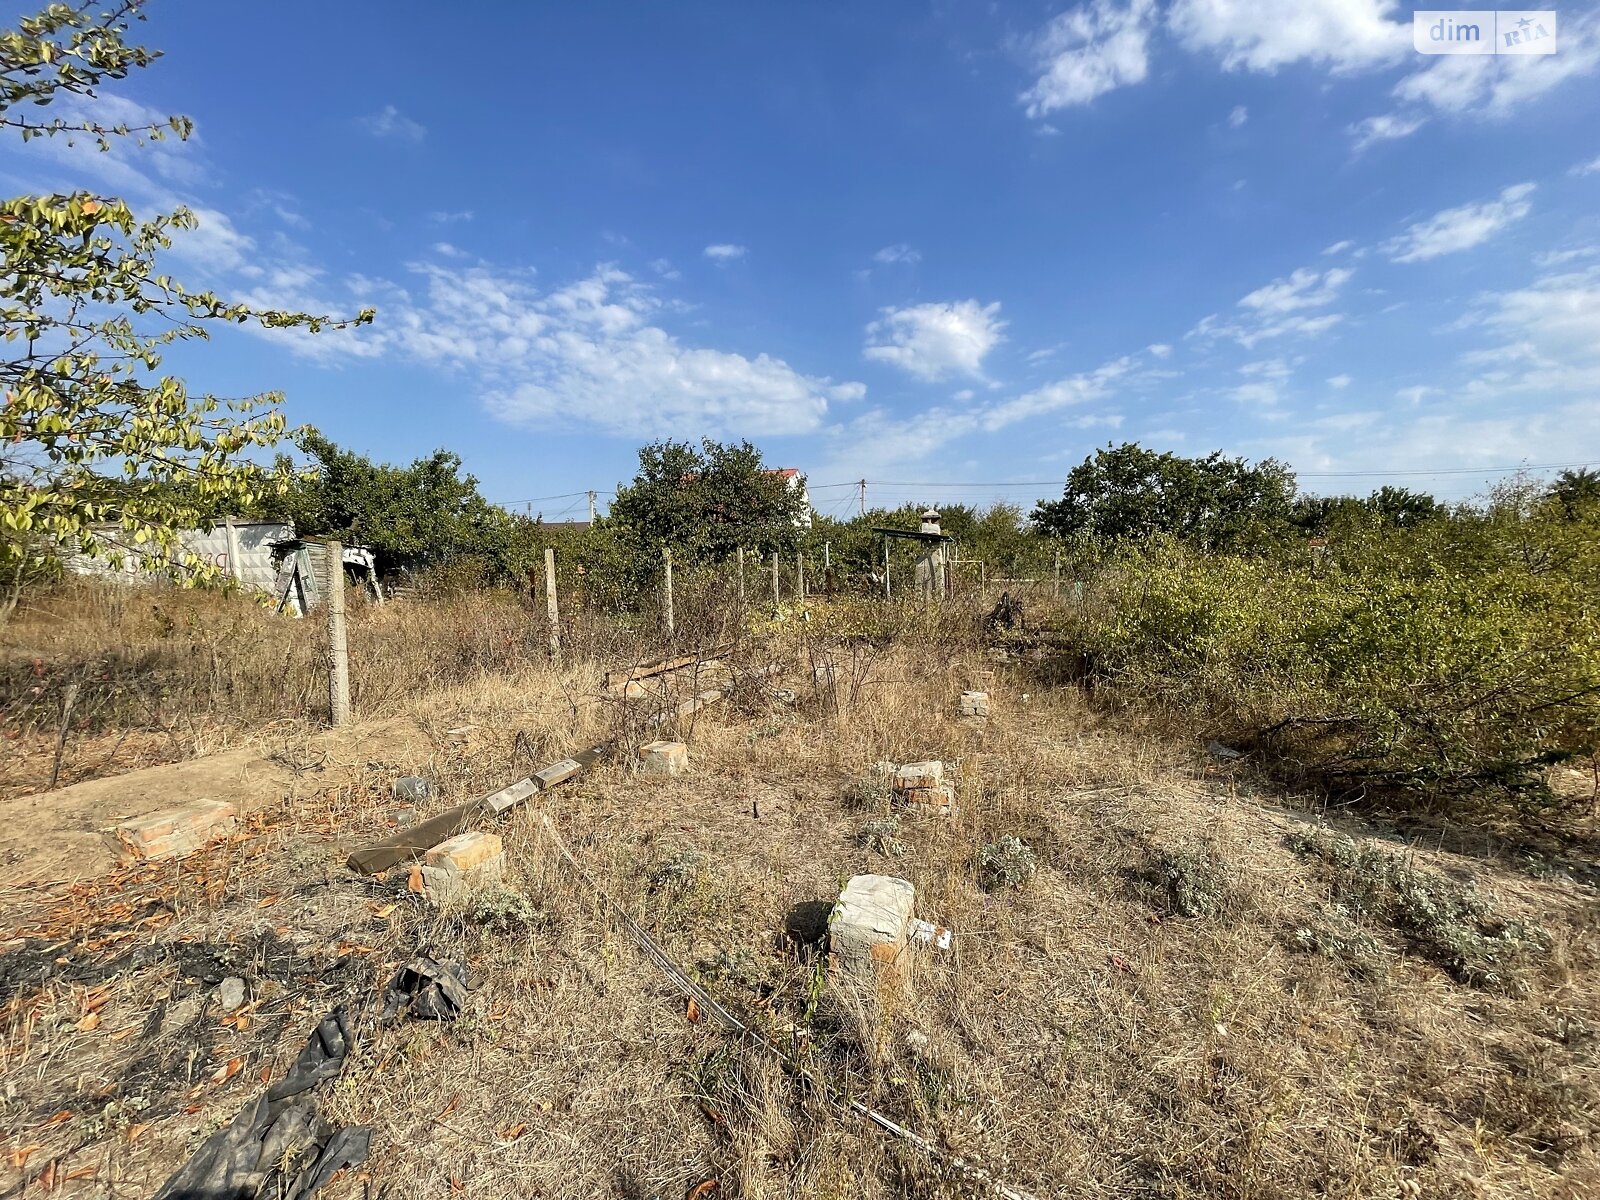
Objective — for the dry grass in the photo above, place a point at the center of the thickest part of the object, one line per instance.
(1082, 1039)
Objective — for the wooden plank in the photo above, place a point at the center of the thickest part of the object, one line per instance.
(405, 845)
(510, 796)
(626, 675)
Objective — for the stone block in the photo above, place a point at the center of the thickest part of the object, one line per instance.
(919, 775)
(178, 831)
(412, 788)
(974, 704)
(465, 862)
(869, 927)
(664, 758)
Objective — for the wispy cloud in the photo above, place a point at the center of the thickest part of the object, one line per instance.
(899, 253)
(1345, 35)
(589, 354)
(1386, 127)
(1238, 116)
(1462, 228)
(1283, 307)
(725, 252)
(446, 217)
(1088, 51)
(935, 341)
(391, 124)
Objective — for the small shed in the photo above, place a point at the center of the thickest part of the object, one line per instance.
(302, 569)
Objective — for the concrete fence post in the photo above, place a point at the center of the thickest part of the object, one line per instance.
(551, 603)
(338, 651)
(777, 600)
(666, 590)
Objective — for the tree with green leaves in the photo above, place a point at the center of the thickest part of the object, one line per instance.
(705, 503)
(1127, 493)
(100, 453)
(424, 515)
(1576, 493)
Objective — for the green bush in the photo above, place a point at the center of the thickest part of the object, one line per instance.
(1448, 923)
(1458, 658)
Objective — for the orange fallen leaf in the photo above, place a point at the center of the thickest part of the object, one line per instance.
(60, 1118)
(265, 1075)
(455, 1103)
(456, 1186)
(90, 1021)
(384, 911)
(268, 900)
(135, 1132)
(80, 1173)
(227, 1070)
(512, 1132)
(706, 1187)
(693, 1012)
(22, 1154)
(47, 1177)
(414, 880)
(123, 1035)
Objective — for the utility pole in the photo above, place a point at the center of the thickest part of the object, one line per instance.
(592, 495)
(863, 486)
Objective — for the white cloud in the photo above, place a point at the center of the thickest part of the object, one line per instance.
(450, 218)
(723, 252)
(1303, 288)
(1460, 228)
(1263, 35)
(392, 124)
(1550, 338)
(1160, 350)
(1339, 247)
(586, 354)
(1495, 85)
(933, 341)
(1238, 116)
(1339, 382)
(1280, 308)
(1386, 127)
(1089, 51)
(898, 253)
(664, 268)
(1083, 388)
(1588, 168)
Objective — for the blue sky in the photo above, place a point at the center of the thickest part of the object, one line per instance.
(904, 242)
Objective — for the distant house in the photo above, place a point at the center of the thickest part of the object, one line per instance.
(797, 483)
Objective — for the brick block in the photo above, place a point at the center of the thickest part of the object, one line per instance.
(869, 927)
(938, 801)
(664, 758)
(974, 704)
(177, 831)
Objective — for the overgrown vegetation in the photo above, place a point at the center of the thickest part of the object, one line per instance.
(1448, 923)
